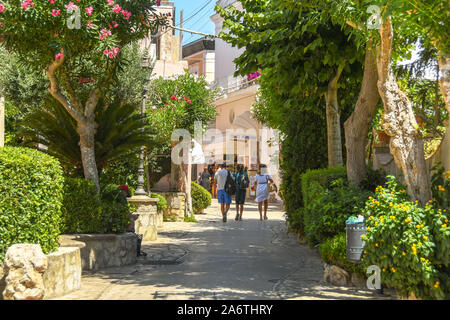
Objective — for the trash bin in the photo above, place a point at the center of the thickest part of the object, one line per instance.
(355, 245)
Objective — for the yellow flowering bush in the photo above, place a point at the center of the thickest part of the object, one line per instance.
(410, 243)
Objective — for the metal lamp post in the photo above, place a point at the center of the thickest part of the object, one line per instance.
(140, 191)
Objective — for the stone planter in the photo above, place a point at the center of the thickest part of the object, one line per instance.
(104, 250)
(175, 206)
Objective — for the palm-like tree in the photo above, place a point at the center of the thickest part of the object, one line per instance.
(120, 129)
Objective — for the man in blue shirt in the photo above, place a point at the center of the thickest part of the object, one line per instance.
(223, 197)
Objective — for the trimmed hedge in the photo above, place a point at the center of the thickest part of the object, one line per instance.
(82, 208)
(31, 193)
(323, 177)
(201, 198)
(84, 211)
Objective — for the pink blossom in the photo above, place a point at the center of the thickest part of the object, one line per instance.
(115, 24)
(106, 51)
(126, 14)
(89, 24)
(89, 10)
(117, 8)
(56, 12)
(27, 3)
(110, 2)
(116, 51)
(2, 7)
(71, 5)
(59, 56)
(51, 1)
(158, 3)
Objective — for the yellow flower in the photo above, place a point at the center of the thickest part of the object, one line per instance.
(425, 237)
(444, 226)
(436, 285)
(365, 251)
(407, 220)
(423, 259)
(384, 270)
(403, 253)
(368, 228)
(446, 220)
(441, 188)
(376, 244)
(393, 270)
(419, 244)
(392, 217)
(390, 204)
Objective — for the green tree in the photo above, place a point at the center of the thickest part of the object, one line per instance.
(300, 54)
(177, 104)
(47, 37)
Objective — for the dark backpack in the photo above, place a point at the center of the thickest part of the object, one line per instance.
(230, 186)
(244, 182)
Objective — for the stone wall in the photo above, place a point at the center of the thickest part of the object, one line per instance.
(63, 274)
(175, 206)
(105, 250)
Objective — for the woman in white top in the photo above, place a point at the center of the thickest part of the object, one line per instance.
(262, 189)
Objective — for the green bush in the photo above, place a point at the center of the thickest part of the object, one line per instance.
(84, 211)
(373, 179)
(31, 192)
(201, 198)
(323, 177)
(115, 209)
(410, 243)
(82, 208)
(296, 221)
(162, 203)
(328, 209)
(334, 251)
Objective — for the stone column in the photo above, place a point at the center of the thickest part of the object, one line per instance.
(147, 223)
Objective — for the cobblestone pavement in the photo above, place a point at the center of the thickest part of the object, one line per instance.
(248, 259)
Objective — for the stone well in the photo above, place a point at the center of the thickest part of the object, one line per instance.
(147, 223)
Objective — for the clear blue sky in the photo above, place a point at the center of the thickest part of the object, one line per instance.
(196, 14)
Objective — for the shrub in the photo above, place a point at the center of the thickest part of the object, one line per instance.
(328, 209)
(82, 208)
(84, 211)
(31, 186)
(334, 251)
(201, 198)
(162, 203)
(296, 221)
(410, 243)
(323, 177)
(115, 209)
(441, 186)
(373, 179)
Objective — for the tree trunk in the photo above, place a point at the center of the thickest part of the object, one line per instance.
(333, 123)
(357, 125)
(87, 130)
(444, 67)
(187, 190)
(399, 122)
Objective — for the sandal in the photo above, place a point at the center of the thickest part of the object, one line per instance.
(265, 218)
(237, 217)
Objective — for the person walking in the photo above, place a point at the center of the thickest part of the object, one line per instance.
(223, 197)
(262, 179)
(242, 181)
(204, 179)
(214, 184)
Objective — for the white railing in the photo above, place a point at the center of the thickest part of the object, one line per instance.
(230, 84)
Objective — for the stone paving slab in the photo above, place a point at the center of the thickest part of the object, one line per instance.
(249, 259)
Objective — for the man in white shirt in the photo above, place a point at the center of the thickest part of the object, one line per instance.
(223, 197)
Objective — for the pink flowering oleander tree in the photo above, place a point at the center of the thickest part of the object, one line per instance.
(72, 40)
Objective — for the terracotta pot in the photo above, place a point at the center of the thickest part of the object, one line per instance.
(382, 136)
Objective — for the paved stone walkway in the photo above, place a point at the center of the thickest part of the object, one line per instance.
(247, 259)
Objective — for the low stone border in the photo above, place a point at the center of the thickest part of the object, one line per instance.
(340, 277)
(104, 250)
